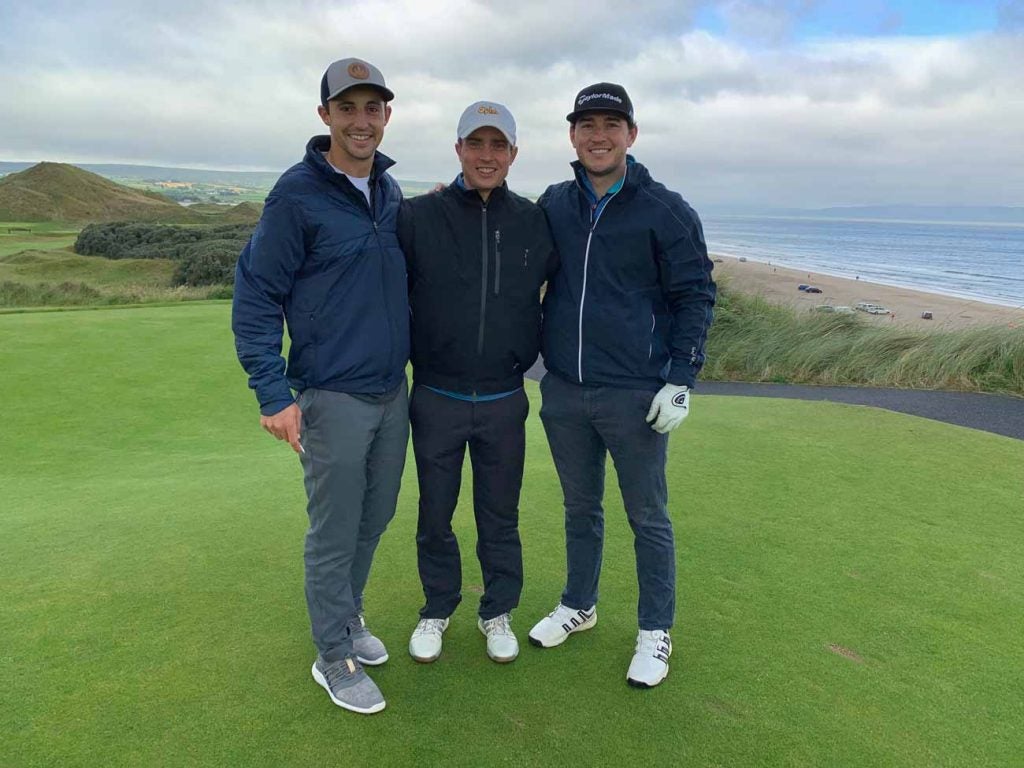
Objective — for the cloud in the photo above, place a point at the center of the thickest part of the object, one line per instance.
(724, 119)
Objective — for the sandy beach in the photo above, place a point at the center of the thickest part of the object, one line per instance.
(779, 285)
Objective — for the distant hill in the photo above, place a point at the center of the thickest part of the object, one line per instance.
(243, 213)
(987, 214)
(61, 192)
(253, 179)
(258, 180)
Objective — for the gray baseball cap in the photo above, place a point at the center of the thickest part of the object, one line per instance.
(348, 73)
(488, 114)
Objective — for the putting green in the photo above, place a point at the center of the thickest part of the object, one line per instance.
(851, 587)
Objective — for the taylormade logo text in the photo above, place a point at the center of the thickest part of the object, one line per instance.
(590, 96)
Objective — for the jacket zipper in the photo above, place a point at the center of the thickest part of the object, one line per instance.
(586, 263)
(483, 279)
(497, 261)
(371, 204)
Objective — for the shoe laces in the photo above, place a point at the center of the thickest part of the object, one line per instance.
(656, 643)
(429, 627)
(340, 670)
(499, 625)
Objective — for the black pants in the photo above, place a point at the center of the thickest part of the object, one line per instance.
(496, 434)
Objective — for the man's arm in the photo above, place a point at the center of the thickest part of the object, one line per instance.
(407, 230)
(684, 271)
(263, 279)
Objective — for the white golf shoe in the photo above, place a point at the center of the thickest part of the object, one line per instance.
(554, 628)
(650, 662)
(425, 643)
(502, 645)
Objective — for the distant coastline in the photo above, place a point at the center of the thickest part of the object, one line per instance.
(851, 276)
(778, 283)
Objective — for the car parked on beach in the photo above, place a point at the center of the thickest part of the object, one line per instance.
(803, 287)
(834, 308)
(812, 289)
(871, 308)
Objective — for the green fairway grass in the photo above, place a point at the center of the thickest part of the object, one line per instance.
(18, 236)
(851, 584)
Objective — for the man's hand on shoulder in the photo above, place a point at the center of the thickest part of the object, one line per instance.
(285, 425)
(668, 409)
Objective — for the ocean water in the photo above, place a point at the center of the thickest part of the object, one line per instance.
(973, 261)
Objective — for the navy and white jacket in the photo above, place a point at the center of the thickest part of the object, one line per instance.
(328, 264)
(632, 303)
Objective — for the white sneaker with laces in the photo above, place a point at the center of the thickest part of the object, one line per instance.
(650, 662)
(502, 645)
(425, 643)
(554, 628)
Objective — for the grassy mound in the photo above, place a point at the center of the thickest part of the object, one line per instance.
(61, 278)
(66, 193)
(850, 584)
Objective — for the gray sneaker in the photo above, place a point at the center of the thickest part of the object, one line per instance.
(368, 648)
(348, 685)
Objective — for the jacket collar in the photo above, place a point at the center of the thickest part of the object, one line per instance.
(466, 194)
(636, 176)
(315, 157)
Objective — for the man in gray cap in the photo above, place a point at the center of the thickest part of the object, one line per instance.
(478, 255)
(325, 259)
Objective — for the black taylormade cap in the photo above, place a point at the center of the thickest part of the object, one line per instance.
(602, 97)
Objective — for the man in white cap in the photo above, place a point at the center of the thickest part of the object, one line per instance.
(325, 259)
(478, 255)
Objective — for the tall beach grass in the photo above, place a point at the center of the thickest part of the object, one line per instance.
(755, 340)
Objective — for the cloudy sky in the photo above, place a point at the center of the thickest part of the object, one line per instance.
(740, 102)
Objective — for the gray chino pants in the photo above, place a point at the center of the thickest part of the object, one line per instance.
(352, 466)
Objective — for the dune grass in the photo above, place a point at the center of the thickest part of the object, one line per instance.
(755, 340)
(51, 278)
(851, 584)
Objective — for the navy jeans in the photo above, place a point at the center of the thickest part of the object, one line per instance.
(495, 433)
(583, 424)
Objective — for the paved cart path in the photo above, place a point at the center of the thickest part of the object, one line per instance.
(1000, 414)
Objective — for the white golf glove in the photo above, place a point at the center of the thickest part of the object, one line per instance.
(668, 409)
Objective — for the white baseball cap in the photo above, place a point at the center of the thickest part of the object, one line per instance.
(488, 114)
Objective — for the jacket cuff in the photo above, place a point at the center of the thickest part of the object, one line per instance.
(682, 373)
(276, 405)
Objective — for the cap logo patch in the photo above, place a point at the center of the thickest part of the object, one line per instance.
(358, 71)
(584, 99)
(486, 110)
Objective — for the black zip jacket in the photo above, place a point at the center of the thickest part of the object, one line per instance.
(475, 274)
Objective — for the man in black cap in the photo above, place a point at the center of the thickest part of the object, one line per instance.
(625, 322)
(325, 258)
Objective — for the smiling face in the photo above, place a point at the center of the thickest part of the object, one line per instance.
(601, 140)
(485, 156)
(356, 119)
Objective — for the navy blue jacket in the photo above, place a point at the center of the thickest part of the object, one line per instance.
(329, 265)
(632, 303)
